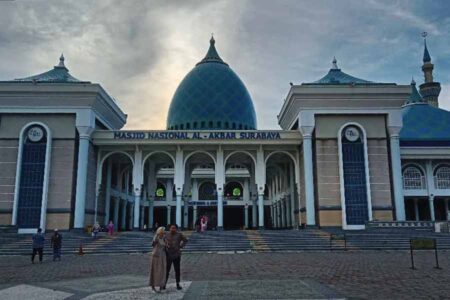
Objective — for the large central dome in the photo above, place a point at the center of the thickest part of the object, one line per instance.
(211, 96)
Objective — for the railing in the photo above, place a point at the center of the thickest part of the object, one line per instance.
(442, 183)
(414, 183)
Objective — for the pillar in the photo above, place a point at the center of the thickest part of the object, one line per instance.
(260, 208)
(431, 203)
(288, 212)
(186, 214)
(124, 215)
(178, 207)
(194, 216)
(283, 214)
(116, 213)
(416, 209)
(219, 209)
(151, 209)
(130, 220)
(309, 182)
(294, 223)
(141, 221)
(246, 216)
(82, 168)
(108, 192)
(169, 215)
(271, 215)
(137, 209)
(254, 214)
(397, 175)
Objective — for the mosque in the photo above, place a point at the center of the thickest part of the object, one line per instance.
(349, 152)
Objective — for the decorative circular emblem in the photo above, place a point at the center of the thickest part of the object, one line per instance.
(351, 134)
(236, 192)
(35, 134)
(160, 192)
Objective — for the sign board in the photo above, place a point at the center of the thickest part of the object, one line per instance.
(205, 203)
(197, 135)
(423, 244)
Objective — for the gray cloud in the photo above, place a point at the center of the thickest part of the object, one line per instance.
(140, 50)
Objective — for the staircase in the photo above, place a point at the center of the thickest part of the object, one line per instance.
(233, 241)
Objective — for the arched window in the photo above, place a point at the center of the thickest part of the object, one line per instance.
(207, 191)
(188, 125)
(195, 125)
(234, 191)
(227, 125)
(211, 124)
(355, 186)
(219, 124)
(240, 126)
(442, 177)
(413, 178)
(181, 126)
(32, 177)
(233, 126)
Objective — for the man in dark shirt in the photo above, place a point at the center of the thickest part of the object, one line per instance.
(38, 245)
(175, 241)
(56, 244)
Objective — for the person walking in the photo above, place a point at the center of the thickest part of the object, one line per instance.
(175, 241)
(110, 228)
(38, 245)
(159, 260)
(56, 243)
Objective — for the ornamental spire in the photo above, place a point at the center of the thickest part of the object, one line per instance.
(334, 64)
(426, 54)
(61, 62)
(212, 55)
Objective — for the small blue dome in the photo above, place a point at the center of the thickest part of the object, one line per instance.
(211, 96)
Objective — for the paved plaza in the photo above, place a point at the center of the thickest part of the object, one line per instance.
(289, 275)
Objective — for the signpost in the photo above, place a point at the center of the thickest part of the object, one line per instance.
(423, 244)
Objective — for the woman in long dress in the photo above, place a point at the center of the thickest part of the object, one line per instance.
(204, 224)
(158, 267)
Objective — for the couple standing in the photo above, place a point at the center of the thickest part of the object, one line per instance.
(166, 251)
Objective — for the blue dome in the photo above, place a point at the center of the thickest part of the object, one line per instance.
(211, 96)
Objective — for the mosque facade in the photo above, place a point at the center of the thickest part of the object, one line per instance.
(350, 152)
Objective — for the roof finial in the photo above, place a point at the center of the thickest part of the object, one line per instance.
(335, 66)
(212, 41)
(426, 54)
(413, 82)
(61, 62)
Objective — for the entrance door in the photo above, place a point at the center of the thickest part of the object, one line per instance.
(233, 217)
(211, 214)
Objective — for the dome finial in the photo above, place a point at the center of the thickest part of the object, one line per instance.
(61, 61)
(426, 54)
(334, 62)
(212, 55)
(413, 82)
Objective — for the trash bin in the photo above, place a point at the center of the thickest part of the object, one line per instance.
(89, 229)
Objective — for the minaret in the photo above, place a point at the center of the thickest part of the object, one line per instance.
(429, 89)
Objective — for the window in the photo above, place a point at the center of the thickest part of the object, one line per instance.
(195, 125)
(211, 124)
(219, 124)
(442, 177)
(227, 125)
(354, 173)
(207, 191)
(188, 126)
(32, 174)
(202, 124)
(413, 178)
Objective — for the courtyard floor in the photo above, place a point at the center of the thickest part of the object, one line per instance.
(289, 275)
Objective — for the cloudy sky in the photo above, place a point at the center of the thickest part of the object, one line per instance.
(140, 50)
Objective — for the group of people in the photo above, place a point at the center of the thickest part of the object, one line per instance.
(201, 225)
(166, 252)
(39, 242)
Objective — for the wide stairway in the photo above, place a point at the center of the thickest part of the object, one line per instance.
(233, 241)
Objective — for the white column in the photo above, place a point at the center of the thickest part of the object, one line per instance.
(169, 215)
(260, 208)
(309, 182)
(254, 214)
(292, 193)
(416, 209)
(397, 175)
(246, 191)
(194, 216)
(277, 214)
(141, 220)
(288, 212)
(272, 215)
(283, 214)
(124, 215)
(220, 209)
(431, 203)
(151, 209)
(116, 213)
(108, 191)
(137, 208)
(246, 216)
(178, 208)
(186, 214)
(130, 220)
(82, 168)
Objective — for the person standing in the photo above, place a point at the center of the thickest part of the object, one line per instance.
(56, 244)
(175, 241)
(95, 230)
(110, 228)
(38, 245)
(159, 260)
